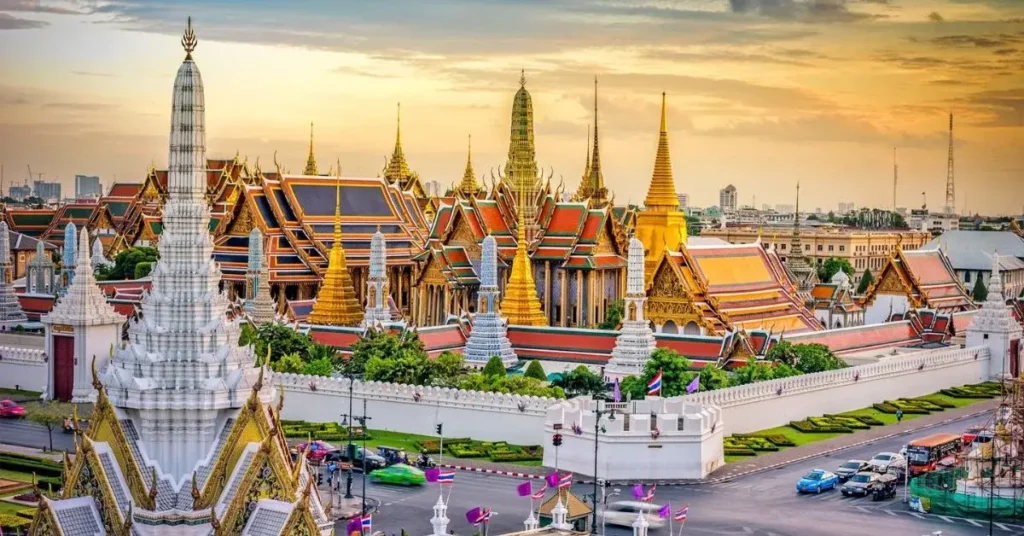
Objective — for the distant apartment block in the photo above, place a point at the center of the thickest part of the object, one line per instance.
(684, 200)
(846, 208)
(87, 186)
(46, 190)
(728, 199)
(19, 193)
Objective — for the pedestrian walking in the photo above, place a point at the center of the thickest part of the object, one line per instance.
(899, 415)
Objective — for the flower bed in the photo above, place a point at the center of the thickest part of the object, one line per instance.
(739, 451)
(324, 431)
(14, 523)
(819, 426)
(982, 390)
(28, 464)
(499, 451)
(752, 442)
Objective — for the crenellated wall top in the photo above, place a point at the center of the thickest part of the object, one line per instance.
(28, 356)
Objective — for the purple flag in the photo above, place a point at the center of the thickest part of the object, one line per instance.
(694, 385)
(617, 394)
(477, 515)
(638, 491)
(355, 524)
(432, 474)
(665, 511)
(524, 489)
(552, 479)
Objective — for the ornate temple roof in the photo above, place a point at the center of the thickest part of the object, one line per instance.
(34, 222)
(925, 277)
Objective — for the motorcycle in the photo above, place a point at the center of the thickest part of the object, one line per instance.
(425, 462)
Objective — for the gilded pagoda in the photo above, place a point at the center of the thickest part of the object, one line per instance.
(182, 439)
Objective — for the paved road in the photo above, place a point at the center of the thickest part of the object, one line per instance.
(24, 433)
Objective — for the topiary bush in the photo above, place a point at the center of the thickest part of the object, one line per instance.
(15, 523)
(884, 407)
(739, 451)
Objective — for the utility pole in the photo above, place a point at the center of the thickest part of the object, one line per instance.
(362, 422)
(895, 178)
(950, 184)
(598, 412)
(350, 418)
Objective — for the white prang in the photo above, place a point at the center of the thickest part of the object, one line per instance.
(994, 326)
(11, 313)
(635, 343)
(259, 304)
(94, 325)
(97, 255)
(182, 372)
(377, 311)
(489, 336)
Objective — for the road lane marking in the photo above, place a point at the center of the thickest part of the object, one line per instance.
(890, 512)
(1002, 526)
(917, 515)
(973, 522)
(946, 519)
(864, 509)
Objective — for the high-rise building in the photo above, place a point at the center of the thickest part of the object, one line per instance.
(46, 190)
(684, 200)
(728, 199)
(19, 193)
(846, 208)
(87, 186)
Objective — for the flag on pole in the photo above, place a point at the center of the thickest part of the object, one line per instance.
(617, 393)
(446, 478)
(654, 386)
(478, 515)
(665, 511)
(367, 524)
(432, 474)
(524, 489)
(565, 481)
(694, 385)
(552, 479)
(650, 494)
(539, 494)
(638, 491)
(681, 513)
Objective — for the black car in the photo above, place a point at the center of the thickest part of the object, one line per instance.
(859, 484)
(362, 459)
(850, 468)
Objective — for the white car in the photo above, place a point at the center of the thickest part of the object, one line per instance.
(884, 460)
(623, 514)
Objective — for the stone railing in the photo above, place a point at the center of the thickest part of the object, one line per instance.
(746, 394)
(414, 394)
(21, 355)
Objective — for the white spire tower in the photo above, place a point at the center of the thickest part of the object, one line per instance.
(994, 326)
(182, 372)
(440, 519)
(377, 288)
(97, 255)
(635, 342)
(11, 313)
(489, 336)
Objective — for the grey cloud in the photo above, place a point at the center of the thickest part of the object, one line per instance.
(934, 16)
(1005, 52)
(88, 73)
(977, 41)
(9, 22)
(78, 106)
(821, 11)
(1003, 107)
(824, 127)
(38, 6)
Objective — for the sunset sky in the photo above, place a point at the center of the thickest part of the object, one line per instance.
(761, 93)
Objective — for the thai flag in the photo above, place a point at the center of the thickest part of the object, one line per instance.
(446, 478)
(367, 524)
(654, 386)
(539, 493)
(565, 481)
(650, 494)
(681, 513)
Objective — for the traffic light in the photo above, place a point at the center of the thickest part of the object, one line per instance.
(319, 478)
(438, 427)
(557, 440)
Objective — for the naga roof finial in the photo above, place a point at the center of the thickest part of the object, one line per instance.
(189, 41)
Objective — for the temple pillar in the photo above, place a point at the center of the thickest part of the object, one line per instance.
(579, 298)
(548, 288)
(398, 288)
(564, 298)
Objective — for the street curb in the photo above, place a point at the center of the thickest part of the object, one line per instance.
(730, 477)
(498, 472)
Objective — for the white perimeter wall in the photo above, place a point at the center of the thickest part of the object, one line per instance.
(23, 368)
(516, 419)
(757, 406)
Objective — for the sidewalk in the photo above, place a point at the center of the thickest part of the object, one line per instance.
(862, 437)
(38, 453)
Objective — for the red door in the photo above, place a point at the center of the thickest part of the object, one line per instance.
(63, 367)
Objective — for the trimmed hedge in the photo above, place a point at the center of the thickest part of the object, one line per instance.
(938, 401)
(323, 431)
(499, 451)
(884, 407)
(14, 522)
(779, 440)
(754, 443)
(981, 390)
(809, 427)
(739, 451)
(27, 464)
(868, 420)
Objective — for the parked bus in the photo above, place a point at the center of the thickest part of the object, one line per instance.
(925, 453)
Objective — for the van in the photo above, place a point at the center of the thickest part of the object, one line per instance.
(624, 513)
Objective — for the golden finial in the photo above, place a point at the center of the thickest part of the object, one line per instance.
(337, 207)
(189, 41)
(398, 130)
(522, 77)
(195, 487)
(311, 159)
(128, 519)
(280, 400)
(95, 376)
(153, 488)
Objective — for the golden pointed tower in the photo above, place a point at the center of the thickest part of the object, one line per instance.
(398, 168)
(661, 225)
(310, 160)
(520, 303)
(598, 193)
(336, 303)
(468, 187)
(583, 191)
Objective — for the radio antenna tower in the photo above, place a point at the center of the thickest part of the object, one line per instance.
(950, 187)
(895, 177)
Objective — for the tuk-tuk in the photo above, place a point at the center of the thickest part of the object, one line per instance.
(393, 455)
(884, 487)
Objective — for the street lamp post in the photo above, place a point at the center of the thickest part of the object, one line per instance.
(350, 419)
(598, 412)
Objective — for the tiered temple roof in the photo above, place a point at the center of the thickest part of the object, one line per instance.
(926, 278)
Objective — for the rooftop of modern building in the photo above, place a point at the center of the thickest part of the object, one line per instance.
(973, 250)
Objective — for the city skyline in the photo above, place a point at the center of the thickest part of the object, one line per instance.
(760, 94)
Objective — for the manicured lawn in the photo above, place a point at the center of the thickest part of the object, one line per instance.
(887, 418)
(7, 392)
(15, 475)
(798, 437)
(11, 508)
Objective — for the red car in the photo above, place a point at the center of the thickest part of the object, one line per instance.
(11, 410)
(969, 434)
(317, 450)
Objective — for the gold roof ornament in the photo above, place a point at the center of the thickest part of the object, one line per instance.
(311, 159)
(520, 303)
(189, 41)
(661, 195)
(596, 179)
(468, 187)
(336, 303)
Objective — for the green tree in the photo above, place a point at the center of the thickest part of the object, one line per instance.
(535, 370)
(323, 352)
(980, 293)
(288, 363)
(693, 226)
(782, 370)
(320, 367)
(581, 381)
(865, 281)
(613, 316)
(447, 369)
(385, 345)
(816, 357)
(712, 377)
(410, 368)
(49, 414)
(125, 263)
(675, 374)
(753, 371)
(282, 340)
(633, 387)
(832, 266)
(520, 385)
(143, 269)
(247, 335)
(494, 367)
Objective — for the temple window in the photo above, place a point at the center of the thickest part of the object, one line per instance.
(967, 276)
(820, 247)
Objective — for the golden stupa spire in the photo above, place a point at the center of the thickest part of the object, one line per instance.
(596, 186)
(661, 195)
(398, 168)
(189, 41)
(520, 303)
(469, 187)
(310, 160)
(336, 303)
(583, 192)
